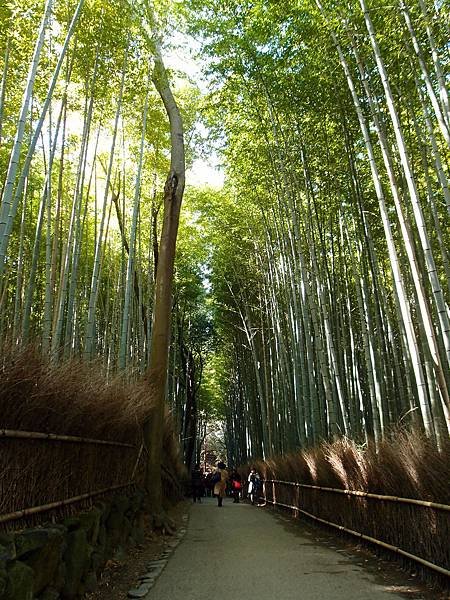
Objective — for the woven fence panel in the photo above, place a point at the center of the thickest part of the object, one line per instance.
(38, 472)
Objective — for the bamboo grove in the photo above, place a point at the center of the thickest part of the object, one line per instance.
(84, 153)
(311, 292)
(331, 265)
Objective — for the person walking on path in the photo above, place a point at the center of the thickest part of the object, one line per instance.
(236, 486)
(254, 483)
(220, 485)
(208, 484)
(197, 483)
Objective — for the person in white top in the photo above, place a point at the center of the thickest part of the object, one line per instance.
(254, 485)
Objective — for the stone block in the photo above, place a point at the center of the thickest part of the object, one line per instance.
(30, 540)
(20, 582)
(139, 592)
(71, 523)
(77, 559)
(90, 522)
(46, 560)
(114, 526)
(7, 547)
(49, 594)
(3, 581)
(58, 582)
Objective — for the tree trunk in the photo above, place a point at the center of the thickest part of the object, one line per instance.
(160, 338)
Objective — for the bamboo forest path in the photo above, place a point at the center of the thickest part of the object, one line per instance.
(241, 551)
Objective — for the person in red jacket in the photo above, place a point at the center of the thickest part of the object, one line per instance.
(236, 486)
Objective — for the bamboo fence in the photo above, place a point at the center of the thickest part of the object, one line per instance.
(35, 435)
(361, 494)
(42, 473)
(26, 512)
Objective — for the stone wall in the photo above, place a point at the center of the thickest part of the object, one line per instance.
(62, 561)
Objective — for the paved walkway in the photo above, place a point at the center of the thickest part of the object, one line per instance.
(242, 551)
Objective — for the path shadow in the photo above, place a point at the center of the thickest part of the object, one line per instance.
(384, 572)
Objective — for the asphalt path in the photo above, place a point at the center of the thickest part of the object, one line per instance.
(243, 551)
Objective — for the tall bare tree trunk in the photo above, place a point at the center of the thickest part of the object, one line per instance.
(160, 339)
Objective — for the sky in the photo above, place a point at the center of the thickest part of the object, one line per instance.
(183, 56)
(205, 172)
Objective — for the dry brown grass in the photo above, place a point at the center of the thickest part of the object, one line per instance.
(406, 464)
(72, 399)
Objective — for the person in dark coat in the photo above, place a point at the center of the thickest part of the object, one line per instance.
(197, 483)
(208, 485)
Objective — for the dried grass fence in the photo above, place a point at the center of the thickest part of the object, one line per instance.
(68, 437)
(41, 476)
(397, 497)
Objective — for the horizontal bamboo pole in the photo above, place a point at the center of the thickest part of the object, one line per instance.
(413, 557)
(35, 435)
(435, 505)
(26, 512)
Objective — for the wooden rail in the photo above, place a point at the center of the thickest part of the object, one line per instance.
(435, 505)
(35, 435)
(358, 534)
(25, 512)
